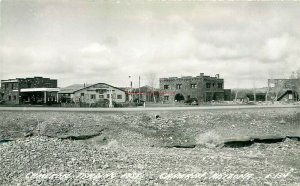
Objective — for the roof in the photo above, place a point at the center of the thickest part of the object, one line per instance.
(145, 88)
(124, 88)
(9, 81)
(98, 84)
(39, 90)
(72, 88)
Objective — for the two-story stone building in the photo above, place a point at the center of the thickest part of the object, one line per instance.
(36, 90)
(203, 88)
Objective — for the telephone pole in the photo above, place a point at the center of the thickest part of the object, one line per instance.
(139, 89)
(130, 96)
(110, 99)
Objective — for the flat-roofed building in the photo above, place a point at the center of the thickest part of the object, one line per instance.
(203, 88)
(36, 90)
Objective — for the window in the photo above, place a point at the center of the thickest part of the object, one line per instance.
(93, 96)
(15, 97)
(166, 86)
(207, 85)
(220, 85)
(178, 86)
(101, 91)
(166, 98)
(107, 96)
(119, 96)
(82, 94)
(48, 85)
(9, 98)
(193, 85)
(101, 96)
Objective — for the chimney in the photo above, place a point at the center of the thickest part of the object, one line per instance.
(201, 74)
(218, 76)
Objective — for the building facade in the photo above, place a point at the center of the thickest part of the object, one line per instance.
(36, 90)
(203, 88)
(98, 92)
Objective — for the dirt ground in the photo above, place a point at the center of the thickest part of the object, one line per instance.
(125, 148)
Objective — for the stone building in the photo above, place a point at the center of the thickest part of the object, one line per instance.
(203, 88)
(36, 90)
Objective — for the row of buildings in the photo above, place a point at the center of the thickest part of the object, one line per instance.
(39, 90)
(202, 88)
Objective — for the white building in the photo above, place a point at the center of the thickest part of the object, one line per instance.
(97, 92)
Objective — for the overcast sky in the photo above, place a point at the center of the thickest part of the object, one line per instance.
(94, 41)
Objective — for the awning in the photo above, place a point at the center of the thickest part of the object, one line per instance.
(39, 90)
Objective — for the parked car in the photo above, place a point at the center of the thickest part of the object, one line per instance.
(192, 101)
(139, 102)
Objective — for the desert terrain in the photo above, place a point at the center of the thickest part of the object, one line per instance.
(156, 147)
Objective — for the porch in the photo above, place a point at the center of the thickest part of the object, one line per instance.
(39, 96)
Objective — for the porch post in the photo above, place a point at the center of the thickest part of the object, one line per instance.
(57, 97)
(45, 97)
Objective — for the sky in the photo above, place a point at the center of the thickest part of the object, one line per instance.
(107, 41)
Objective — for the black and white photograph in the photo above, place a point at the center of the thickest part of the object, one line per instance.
(149, 92)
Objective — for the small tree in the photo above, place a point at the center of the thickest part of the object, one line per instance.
(278, 87)
(267, 93)
(298, 73)
(254, 91)
(297, 84)
(151, 80)
(297, 88)
(236, 92)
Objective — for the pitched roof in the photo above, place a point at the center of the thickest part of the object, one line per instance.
(98, 84)
(72, 88)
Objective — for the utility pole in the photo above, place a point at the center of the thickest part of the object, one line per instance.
(110, 99)
(254, 91)
(130, 96)
(139, 89)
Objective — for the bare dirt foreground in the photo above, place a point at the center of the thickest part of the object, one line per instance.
(196, 147)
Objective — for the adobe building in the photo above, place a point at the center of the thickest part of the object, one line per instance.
(36, 90)
(203, 88)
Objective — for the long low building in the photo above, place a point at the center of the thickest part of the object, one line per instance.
(81, 93)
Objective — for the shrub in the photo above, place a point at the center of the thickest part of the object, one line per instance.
(209, 139)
